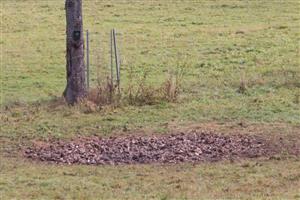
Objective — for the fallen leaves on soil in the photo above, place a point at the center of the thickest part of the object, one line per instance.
(191, 147)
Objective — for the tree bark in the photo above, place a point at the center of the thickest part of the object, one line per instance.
(75, 88)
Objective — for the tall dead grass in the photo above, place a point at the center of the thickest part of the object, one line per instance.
(137, 92)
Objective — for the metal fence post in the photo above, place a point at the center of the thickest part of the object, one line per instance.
(87, 60)
(111, 59)
(116, 58)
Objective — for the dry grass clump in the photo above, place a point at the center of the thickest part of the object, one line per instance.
(138, 92)
(243, 84)
(146, 94)
(141, 93)
(100, 96)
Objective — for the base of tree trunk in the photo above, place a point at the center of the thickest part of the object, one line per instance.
(76, 85)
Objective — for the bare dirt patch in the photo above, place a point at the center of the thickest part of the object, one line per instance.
(193, 146)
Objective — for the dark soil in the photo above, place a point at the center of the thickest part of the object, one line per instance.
(191, 147)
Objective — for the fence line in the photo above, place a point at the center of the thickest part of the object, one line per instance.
(136, 52)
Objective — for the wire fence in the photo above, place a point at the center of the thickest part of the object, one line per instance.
(137, 55)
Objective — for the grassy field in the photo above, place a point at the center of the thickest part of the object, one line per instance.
(221, 45)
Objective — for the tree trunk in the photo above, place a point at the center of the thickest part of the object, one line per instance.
(76, 88)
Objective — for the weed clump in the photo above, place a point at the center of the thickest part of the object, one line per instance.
(137, 92)
(243, 85)
(145, 94)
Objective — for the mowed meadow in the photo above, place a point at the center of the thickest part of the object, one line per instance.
(240, 74)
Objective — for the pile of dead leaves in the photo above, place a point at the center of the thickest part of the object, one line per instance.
(183, 147)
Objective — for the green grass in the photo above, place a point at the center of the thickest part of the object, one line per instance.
(245, 180)
(220, 43)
